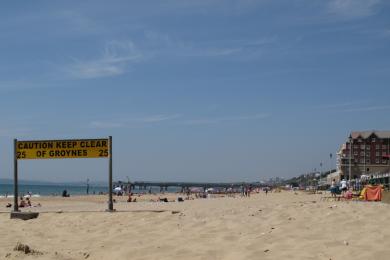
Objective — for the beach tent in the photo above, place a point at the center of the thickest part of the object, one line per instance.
(118, 190)
(196, 190)
(373, 193)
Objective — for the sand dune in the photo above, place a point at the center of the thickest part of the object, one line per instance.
(277, 226)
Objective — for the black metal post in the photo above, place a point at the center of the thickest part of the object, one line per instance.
(16, 206)
(110, 203)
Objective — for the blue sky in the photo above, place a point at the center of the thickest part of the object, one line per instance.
(205, 90)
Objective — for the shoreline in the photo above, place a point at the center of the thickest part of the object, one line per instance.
(98, 203)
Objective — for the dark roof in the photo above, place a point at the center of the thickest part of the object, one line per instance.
(367, 134)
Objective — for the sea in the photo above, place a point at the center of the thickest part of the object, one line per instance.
(56, 190)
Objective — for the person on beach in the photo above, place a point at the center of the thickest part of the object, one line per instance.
(162, 199)
(348, 194)
(65, 194)
(22, 203)
(333, 188)
(28, 202)
(343, 184)
(246, 191)
(371, 181)
(130, 199)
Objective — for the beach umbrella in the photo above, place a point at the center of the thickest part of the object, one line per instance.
(195, 189)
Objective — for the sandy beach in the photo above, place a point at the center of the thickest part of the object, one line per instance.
(284, 225)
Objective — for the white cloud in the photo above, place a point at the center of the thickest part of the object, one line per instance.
(231, 7)
(353, 8)
(339, 105)
(105, 125)
(114, 61)
(211, 52)
(242, 47)
(133, 121)
(159, 118)
(160, 43)
(154, 119)
(205, 121)
(367, 109)
(260, 41)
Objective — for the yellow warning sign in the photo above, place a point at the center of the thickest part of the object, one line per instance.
(62, 149)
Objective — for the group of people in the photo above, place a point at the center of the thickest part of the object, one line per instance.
(344, 187)
(24, 203)
(246, 191)
(337, 189)
(130, 199)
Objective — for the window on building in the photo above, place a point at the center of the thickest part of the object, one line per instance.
(377, 146)
(368, 147)
(368, 161)
(377, 161)
(355, 153)
(384, 153)
(362, 146)
(359, 140)
(356, 161)
(355, 147)
(361, 160)
(384, 161)
(373, 140)
(377, 154)
(361, 153)
(384, 147)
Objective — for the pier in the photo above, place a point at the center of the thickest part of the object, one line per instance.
(145, 185)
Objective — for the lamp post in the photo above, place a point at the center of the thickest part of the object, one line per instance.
(128, 185)
(350, 157)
